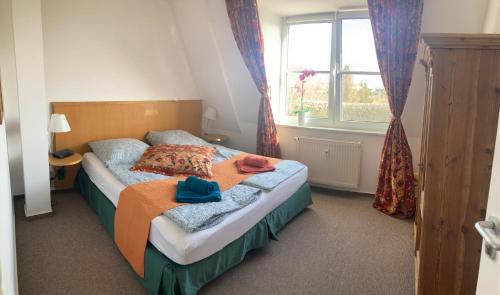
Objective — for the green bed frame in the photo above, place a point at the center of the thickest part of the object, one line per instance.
(165, 277)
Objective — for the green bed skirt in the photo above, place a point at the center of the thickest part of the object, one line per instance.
(163, 276)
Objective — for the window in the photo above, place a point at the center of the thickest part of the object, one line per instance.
(346, 90)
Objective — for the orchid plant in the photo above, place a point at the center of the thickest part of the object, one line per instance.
(304, 76)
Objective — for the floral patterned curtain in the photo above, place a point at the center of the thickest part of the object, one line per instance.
(396, 29)
(244, 18)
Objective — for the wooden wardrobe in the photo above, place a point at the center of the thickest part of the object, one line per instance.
(462, 101)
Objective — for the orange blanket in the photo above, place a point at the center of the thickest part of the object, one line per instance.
(140, 203)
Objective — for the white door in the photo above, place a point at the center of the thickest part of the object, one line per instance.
(489, 270)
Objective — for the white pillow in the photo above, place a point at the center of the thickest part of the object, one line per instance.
(175, 137)
(118, 151)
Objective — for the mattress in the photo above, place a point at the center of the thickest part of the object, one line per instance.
(186, 248)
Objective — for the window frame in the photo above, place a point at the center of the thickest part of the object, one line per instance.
(336, 73)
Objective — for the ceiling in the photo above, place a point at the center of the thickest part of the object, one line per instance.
(294, 7)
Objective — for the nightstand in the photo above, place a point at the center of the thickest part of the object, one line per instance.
(57, 166)
(215, 138)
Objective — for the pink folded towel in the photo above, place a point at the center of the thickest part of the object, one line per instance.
(255, 161)
(253, 164)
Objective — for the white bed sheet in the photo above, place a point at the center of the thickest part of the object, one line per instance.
(186, 248)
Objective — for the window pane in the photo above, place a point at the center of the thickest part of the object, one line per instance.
(364, 99)
(316, 91)
(358, 47)
(309, 46)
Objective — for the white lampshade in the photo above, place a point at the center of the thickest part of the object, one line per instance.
(58, 123)
(210, 113)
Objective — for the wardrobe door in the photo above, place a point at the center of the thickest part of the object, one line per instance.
(460, 139)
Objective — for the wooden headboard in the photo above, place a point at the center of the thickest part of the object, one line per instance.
(91, 121)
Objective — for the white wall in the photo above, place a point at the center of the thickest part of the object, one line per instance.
(454, 16)
(33, 109)
(225, 82)
(492, 21)
(113, 50)
(8, 74)
(12, 157)
(8, 268)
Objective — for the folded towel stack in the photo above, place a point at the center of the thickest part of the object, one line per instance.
(253, 164)
(197, 190)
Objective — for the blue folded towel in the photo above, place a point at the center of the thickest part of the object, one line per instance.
(200, 186)
(185, 195)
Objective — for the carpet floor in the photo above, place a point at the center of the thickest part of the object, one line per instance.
(340, 245)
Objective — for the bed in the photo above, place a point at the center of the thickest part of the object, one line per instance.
(177, 262)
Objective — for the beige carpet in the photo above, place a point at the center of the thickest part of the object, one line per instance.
(338, 246)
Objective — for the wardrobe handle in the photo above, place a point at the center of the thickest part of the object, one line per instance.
(488, 229)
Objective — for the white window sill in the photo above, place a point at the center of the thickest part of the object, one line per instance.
(332, 129)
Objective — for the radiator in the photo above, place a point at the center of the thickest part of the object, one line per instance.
(330, 162)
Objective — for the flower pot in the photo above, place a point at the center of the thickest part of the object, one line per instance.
(303, 117)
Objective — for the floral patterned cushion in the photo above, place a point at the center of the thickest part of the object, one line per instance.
(171, 159)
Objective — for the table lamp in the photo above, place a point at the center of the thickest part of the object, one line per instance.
(210, 114)
(59, 124)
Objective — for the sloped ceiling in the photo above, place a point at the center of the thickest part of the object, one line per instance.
(216, 64)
